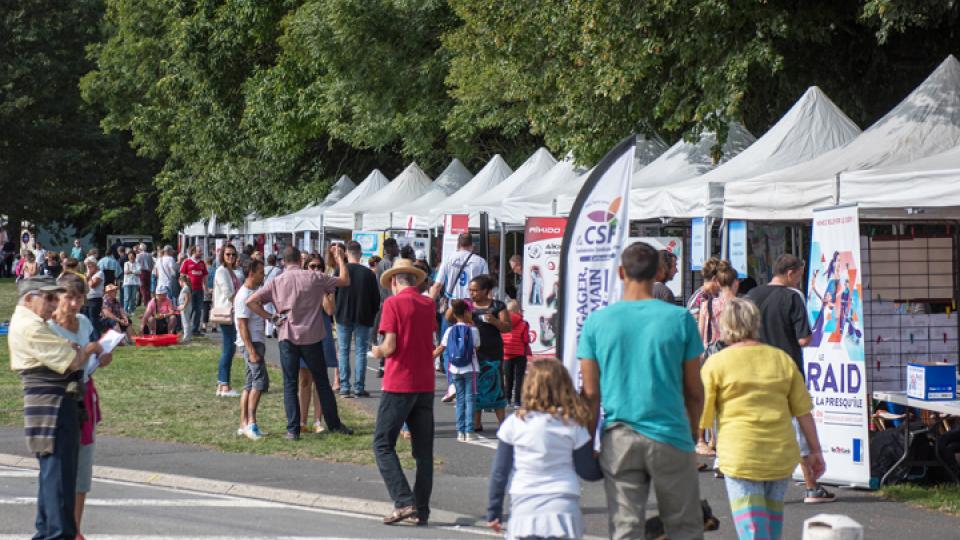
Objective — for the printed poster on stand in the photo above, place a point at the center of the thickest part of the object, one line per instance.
(834, 360)
(453, 226)
(542, 241)
(592, 244)
(371, 242)
(673, 245)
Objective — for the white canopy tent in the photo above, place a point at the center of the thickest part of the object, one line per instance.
(494, 172)
(813, 126)
(558, 198)
(926, 122)
(195, 229)
(284, 224)
(454, 177)
(375, 212)
(340, 214)
(539, 199)
(682, 161)
(524, 178)
(927, 187)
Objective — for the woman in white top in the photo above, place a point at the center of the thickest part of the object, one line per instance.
(226, 283)
(131, 282)
(68, 323)
(94, 304)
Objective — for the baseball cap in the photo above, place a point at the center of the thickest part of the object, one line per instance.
(41, 284)
(162, 290)
(421, 255)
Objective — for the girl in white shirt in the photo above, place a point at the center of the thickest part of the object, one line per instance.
(546, 445)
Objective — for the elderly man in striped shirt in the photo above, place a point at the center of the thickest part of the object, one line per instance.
(52, 401)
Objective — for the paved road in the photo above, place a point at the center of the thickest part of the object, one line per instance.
(466, 466)
(133, 512)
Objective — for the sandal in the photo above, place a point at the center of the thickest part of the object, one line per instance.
(704, 450)
(703, 467)
(399, 514)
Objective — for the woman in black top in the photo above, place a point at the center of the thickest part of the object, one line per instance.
(491, 318)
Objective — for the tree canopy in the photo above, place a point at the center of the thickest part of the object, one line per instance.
(259, 106)
(56, 164)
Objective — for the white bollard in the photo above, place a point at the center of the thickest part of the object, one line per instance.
(831, 527)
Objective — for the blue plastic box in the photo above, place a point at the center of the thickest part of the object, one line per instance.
(931, 382)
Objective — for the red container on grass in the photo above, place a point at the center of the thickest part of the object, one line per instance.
(160, 340)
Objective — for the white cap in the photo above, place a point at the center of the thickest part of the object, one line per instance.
(421, 255)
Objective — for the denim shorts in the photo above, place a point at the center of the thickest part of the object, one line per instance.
(257, 377)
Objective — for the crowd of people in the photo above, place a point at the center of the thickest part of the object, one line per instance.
(672, 382)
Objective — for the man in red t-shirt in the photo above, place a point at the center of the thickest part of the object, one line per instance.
(408, 323)
(196, 270)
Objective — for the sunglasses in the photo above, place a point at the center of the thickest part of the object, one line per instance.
(314, 266)
(229, 254)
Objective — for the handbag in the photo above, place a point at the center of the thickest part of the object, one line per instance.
(221, 315)
(447, 291)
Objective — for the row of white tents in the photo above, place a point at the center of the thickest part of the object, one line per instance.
(907, 162)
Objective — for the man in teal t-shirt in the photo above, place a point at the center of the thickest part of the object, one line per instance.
(640, 360)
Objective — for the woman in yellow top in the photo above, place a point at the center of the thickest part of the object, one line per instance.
(755, 391)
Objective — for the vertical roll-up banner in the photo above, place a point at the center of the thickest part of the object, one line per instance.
(737, 252)
(698, 243)
(453, 226)
(834, 360)
(594, 238)
(542, 246)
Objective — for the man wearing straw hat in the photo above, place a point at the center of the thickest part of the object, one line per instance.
(52, 398)
(407, 325)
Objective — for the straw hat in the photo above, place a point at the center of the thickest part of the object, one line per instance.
(402, 266)
(110, 288)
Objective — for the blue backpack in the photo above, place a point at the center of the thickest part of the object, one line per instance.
(460, 346)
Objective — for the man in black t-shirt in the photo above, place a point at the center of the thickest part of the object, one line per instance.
(357, 306)
(784, 324)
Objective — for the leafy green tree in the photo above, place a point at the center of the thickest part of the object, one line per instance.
(55, 163)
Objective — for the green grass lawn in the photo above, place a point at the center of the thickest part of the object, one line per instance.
(943, 498)
(167, 394)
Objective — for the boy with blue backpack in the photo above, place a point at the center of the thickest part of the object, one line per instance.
(459, 344)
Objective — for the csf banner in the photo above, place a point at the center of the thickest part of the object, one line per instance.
(542, 239)
(592, 244)
(834, 360)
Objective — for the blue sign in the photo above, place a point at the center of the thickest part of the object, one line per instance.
(698, 243)
(737, 238)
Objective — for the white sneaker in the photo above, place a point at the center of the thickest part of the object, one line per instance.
(229, 393)
(241, 432)
(252, 433)
(470, 436)
(461, 436)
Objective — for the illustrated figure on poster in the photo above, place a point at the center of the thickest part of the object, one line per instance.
(825, 317)
(554, 297)
(847, 318)
(548, 334)
(536, 286)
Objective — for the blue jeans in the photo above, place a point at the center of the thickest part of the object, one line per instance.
(361, 338)
(56, 495)
(312, 355)
(130, 298)
(196, 308)
(228, 346)
(466, 385)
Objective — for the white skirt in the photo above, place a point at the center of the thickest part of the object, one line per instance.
(545, 516)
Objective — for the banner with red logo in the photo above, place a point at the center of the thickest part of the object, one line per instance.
(592, 245)
(542, 241)
(453, 226)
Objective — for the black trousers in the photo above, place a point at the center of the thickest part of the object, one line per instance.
(513, 371)
(312, 354)
(417, 411)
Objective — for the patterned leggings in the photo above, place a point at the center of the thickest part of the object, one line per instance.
(757, 507)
